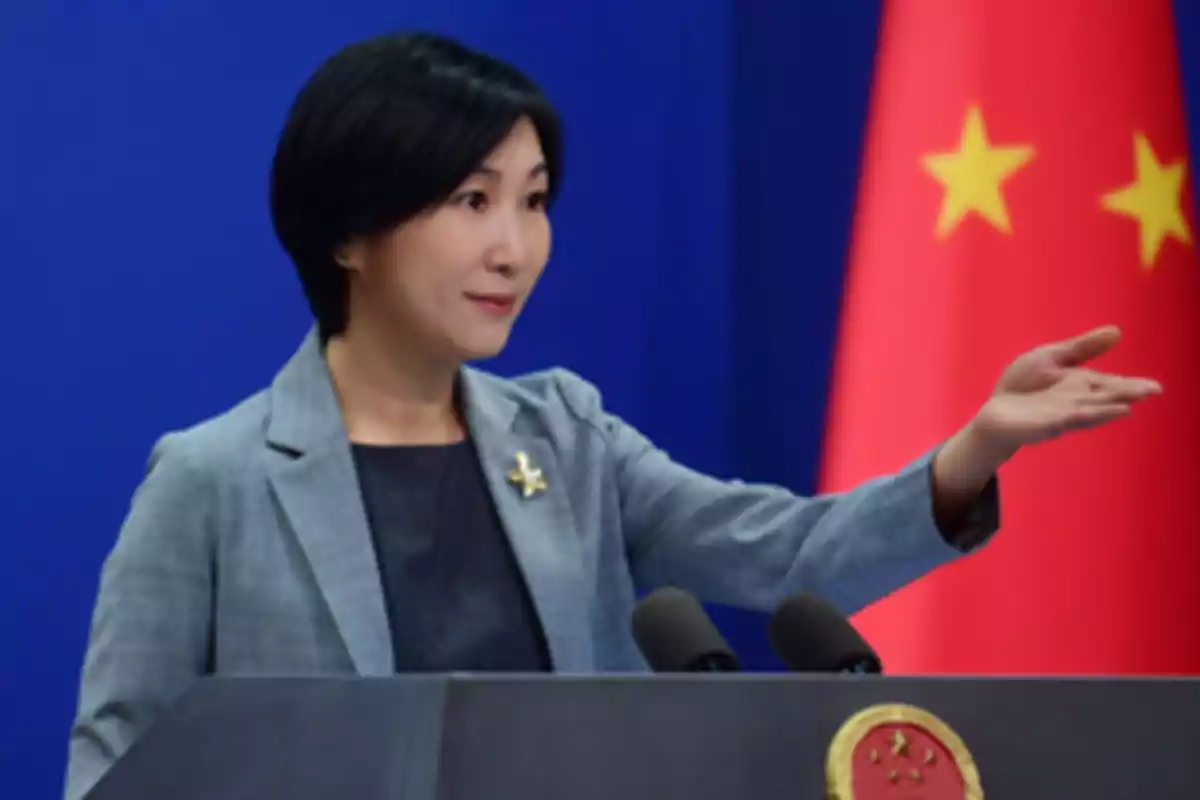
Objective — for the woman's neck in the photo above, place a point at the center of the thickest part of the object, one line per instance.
(392, 397)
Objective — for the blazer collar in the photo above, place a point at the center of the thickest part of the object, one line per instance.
(317, 487)
(305, 414)
(541, 526)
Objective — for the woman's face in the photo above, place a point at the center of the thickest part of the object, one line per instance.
(453, 280)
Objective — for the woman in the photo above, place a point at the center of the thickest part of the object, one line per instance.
(380, 507)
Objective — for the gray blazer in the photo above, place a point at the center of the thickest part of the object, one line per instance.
(246, 548)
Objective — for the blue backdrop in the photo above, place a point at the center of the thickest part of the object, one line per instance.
(712, 153)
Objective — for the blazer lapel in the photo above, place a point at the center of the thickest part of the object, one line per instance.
(317, 488)
(540, 525)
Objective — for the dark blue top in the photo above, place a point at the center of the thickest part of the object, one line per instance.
(456, 598)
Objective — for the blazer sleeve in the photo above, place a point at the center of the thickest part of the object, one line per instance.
(751, 545)
(149, 639)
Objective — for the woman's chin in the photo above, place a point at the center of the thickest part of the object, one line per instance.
(476, 348)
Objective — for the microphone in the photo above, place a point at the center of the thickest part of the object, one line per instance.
(676, 635)
(810, 635)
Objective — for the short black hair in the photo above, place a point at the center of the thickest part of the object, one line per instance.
(383, 130)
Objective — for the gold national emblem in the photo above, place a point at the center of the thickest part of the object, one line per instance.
(899, 752)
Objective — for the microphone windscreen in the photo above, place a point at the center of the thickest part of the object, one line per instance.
(675, 634)
(810, 635)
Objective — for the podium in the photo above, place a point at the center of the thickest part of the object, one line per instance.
(647, 737)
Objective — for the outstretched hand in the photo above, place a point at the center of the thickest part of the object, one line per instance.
(1042, 394)
(1048, 391)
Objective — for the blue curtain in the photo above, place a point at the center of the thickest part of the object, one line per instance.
(712, 154)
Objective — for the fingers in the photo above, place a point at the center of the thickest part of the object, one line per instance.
(1100, 389)
(1085, 347)
(1098, 398)
(1090, 416)
(1088, 399)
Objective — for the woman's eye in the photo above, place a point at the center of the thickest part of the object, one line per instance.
(537, 201)
(474, 200)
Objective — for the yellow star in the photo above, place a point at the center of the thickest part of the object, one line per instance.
(1153, 199)
(899, 743)
(972, 176)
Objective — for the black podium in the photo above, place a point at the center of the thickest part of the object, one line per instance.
(645, 737)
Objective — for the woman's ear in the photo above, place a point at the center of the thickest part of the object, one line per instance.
(349, 256)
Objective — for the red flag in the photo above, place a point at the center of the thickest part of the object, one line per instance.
(1026, 178)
